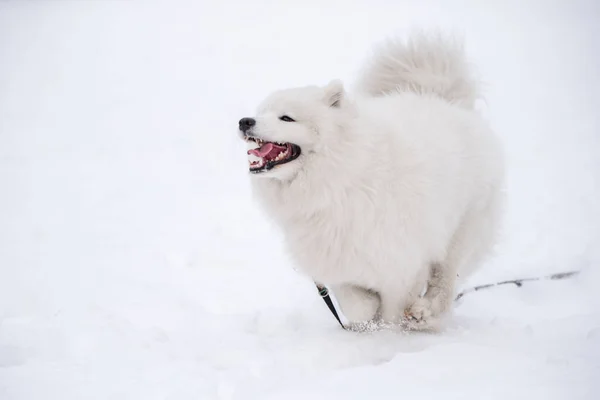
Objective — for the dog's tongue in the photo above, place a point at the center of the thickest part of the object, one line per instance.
(268, 150)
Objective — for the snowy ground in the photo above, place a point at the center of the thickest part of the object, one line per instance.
(134, 264)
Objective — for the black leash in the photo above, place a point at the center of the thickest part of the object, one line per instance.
(324, 292)
(517, 282)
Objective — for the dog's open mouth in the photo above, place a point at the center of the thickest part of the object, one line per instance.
(270, 154)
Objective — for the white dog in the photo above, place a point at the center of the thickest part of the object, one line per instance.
(390, 194)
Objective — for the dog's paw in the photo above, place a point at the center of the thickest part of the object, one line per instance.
(420, 316)
(420, 310)
(357, 305)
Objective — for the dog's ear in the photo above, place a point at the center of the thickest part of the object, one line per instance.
(334, 93)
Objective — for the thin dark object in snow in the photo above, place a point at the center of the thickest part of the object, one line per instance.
(518, 282)
(324, 292)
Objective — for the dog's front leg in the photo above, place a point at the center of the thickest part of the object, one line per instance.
(424, 313)
(358, 305)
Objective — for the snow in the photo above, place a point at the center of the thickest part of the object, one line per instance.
(130, 247)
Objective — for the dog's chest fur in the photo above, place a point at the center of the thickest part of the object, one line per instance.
(333, 236)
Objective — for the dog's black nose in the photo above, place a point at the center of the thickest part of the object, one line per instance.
(247, 123)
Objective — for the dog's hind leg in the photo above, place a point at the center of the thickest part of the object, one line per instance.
(357, 304)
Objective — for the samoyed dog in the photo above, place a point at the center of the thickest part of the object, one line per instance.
(388, 194)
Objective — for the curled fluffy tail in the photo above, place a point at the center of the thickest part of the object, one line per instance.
(425, 64)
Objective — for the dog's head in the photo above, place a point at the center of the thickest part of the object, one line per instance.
(291, 126)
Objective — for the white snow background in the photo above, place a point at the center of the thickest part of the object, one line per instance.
(134, 263)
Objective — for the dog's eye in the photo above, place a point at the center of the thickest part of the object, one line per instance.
(286, 118)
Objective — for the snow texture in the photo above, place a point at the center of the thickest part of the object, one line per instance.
(131, 250)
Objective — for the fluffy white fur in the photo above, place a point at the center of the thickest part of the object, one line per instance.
(398, 187)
